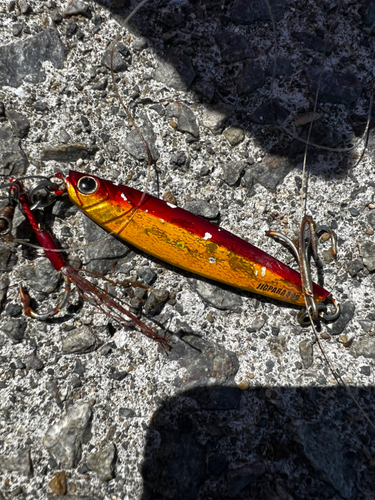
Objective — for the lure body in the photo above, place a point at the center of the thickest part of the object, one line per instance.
(185, 240)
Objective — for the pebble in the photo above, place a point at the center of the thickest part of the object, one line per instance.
(100, 84)
(24, 6)
(119, 61)
(41, 276)
(133, 144)
(283, 68)
(58, 484)
(186, 120)
(74, 8)
(32, 362)
(63, 440)
(214, 118)
(175, 71)
(2, 109)
(306, 353)
(203, 208)
(19, 123)
(17, 462)
(56, 17)
(68, 153)
(79, 341)
(15, 330)
(233, 47)
(347, 313)
(367, 251)
(313, 42)
(269, 173)
(364, 346)
(354, 267)
(269, 112)
(234, 135)
(251, 78)
(17, 29)
(155, 302)
(217, 297)
(103, 463)
(245, 13)
(4, 284)
(334, 87)
(147, 275)
(25, 57)
(243, 385)
(232, 171)
(13, 160)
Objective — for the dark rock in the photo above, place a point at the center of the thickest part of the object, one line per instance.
(19, 123)
(146, 274)
(364, 346)
(155, 301)
(175, 71)
(203, 208)
(64, 136)
(41, 276)
(17, 29)
(32, 362)
(101, 84)
(215, 118)
(13, 310)
(24, 7)
(354, 212)
(4, 284)
(217, 297)
(74, 8)
(63, 440)
(119, 61)
(68, 153)
(283, 68)
(126, 413)
(103, 463)
(232, 172)
(323, 447)
(133, 143)
(15, 330)
(79, 341)
(238, 479)
(365, 370)
(306, 353)
(186, 120)
(103, 249)
(270, 173)
(269, 112)
(8, 258)
(79, 369)
(56, 17)
(367, 250)
(368, 12)
(354, 266)
(13, 161)
(2, 109)
(347, 313)
(334, 86)
(313, 42)
(17, 462)
(205, 364)
(234, 47)
(71, 28)
(118, 375)
(41, 107)
(64, 208)
(23, 60)
(179, 159)
(245, 13)
(251, 78)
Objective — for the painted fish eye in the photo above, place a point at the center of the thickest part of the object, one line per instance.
(87, 185)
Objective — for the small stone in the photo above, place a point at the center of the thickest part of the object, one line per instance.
(239, 478)
(64, 439)
(269, 173)
(354, 267)
(251, 78)
(24, 6)
(119, 61)
(19, 123)
(364, 346)
(79, 341)
(58, 484)
(203, 209)
(306, 353)
(232, 172)
(175, 70)
(118, 375)
(186, 120)
(17, 462)
(2, 109)
(215, 118)
(13, 161)
(347, 313)
(15, 330)
(367, 251)
(103, 463)
(13, 310)
(269, 112)
(354, 212)
(56, 17)
(68, 153)
(146, 274)
(313, 42)
(41, 107)
(74, 8)
(234, 47)
(155, 301)
(243, 385)
(234, 135)
(101, 84)
(334, 87)
(133, 143)
(41, 277)
(64, 136)
(32, 362)
(71, 28)
(17, 29)
(217, 297)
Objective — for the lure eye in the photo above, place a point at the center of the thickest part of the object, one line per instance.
(87, 185)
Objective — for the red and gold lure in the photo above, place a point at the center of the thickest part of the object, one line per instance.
(185, 240)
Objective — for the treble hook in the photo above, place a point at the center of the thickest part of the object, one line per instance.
(29, 311)
(301, 255)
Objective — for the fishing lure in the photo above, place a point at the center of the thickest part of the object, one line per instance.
(185, 240)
